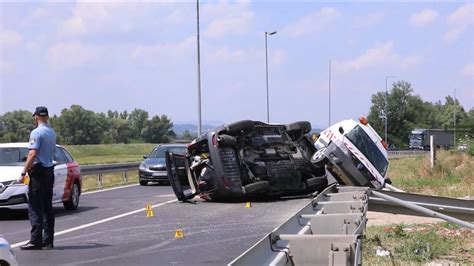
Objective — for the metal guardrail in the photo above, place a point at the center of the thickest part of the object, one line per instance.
(123, 167)
(101, 169)
(318, 240)
(108, 168)
(406, 153)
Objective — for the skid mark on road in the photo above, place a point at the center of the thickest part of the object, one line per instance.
(98, 222)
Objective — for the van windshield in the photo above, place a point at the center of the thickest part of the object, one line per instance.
(416, 136)
(364, 143)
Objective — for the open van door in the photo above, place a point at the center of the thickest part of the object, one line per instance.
(181, 177)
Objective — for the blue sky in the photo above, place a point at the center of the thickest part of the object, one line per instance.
(125, 55)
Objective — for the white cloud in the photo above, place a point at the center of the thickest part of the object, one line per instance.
(227, 18)
(70, 55)
(10, 38)
(246, 56)
(114, 16)
(368, 20)
(312, 23)
(425, 17)
(379, 55)
(459, 20)
(468, 70)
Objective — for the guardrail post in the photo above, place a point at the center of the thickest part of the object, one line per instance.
(432, 151)
(99, 180)
(125, 176)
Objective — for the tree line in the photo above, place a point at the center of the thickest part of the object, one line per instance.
(406, 111)
(78, 126)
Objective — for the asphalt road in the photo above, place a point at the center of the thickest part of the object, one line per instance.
(111, 228)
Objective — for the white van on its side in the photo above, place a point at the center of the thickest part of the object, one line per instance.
(353, 153)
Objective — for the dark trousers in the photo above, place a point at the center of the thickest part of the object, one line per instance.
(40, 207)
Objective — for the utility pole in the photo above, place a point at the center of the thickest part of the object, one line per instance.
(329, 124)
(454, 117)
(198, 72)
(386, 107)
(266, 72)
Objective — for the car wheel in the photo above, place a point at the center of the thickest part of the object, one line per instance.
(318, 183)
(143, 183)
(257, 187)
(303, 126)
(226, 140)
(239, 126)
(319, 158)
(73, 201)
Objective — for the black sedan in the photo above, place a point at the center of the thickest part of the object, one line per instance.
(153, 168)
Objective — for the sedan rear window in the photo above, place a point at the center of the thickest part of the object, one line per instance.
(13, 156)
(364, 143)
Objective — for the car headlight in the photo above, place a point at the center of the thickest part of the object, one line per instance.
(5, 185)
(142, 167)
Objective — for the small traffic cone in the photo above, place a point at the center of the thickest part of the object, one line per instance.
(149, 211)
(179, 233)
(248, 205)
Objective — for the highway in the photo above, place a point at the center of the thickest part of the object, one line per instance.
(111, 228)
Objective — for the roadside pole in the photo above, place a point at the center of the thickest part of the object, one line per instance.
(432, 151)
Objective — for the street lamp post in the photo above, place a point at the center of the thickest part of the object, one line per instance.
(266, 72)
(386, 106)
(329, 124)
(198, 71)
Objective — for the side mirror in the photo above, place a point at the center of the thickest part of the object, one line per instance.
(145, 156)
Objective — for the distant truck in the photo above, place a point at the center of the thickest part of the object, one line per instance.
(420, 138)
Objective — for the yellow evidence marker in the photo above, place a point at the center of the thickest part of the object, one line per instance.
(179, 233)
(248, 205)
(149, 211)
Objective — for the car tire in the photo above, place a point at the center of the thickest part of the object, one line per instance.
(319, 181)
(226, 141)
(143, 182)
(73, 201)
(239, 126)
(257, 187)
(318, 158)
(303, 126)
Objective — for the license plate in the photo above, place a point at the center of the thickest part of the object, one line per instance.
(160, 174)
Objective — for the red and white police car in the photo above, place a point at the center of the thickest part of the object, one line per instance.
(14, 195)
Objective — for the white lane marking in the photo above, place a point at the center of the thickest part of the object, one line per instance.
(98, 222)
(164, 196)
(108, 189)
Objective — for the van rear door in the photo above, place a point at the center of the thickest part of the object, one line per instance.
(181, 177)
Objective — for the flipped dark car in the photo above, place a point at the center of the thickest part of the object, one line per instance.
(247, 159)
(153, 168)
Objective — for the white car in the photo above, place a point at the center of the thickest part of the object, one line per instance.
(14, 195)
(353, 153)
(7, 257)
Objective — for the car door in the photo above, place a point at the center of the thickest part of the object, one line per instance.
(60, 174)
(182, 179)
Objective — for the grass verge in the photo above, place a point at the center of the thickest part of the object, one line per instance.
(453, 175)
(442, 243)
(90, 183)
(109, 153)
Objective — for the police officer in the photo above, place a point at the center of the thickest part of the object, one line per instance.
(40, 168)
